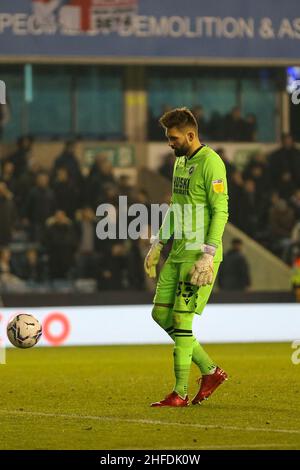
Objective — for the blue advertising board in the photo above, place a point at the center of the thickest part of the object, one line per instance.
(228, 29)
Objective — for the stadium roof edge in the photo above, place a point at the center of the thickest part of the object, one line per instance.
(216, 61)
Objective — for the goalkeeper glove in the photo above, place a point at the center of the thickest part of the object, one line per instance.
(202, 273)
(152, 257)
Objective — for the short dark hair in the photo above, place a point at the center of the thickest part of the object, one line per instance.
(178, 117)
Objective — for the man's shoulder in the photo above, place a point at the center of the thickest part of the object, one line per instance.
(211, 157)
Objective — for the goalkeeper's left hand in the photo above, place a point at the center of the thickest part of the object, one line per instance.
(152, 258)
(202, 273)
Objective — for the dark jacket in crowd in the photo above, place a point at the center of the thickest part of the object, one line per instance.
(40, 205)
(7, 218)
(234, 271)
(60, 242)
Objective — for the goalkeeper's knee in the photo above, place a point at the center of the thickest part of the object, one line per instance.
(183, 321)
(161, 313)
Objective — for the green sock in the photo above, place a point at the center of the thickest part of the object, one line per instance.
(164, 317)
(202, 359)
(183, 350)
(182, 360)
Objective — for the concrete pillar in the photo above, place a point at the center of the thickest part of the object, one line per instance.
(135, 104)
(285, 112)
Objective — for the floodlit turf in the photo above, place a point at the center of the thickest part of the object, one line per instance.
(98, 398)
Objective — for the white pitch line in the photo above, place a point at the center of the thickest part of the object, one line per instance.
(247, 446)
(146, 421)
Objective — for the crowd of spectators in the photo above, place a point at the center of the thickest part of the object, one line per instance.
(48, 225)
(265, 198)
(48, 218)
(232, 127)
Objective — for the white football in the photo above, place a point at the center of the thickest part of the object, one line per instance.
(24, 331)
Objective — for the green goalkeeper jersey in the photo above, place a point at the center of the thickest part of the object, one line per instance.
(199, 206)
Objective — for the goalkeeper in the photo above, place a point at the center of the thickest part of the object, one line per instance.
(196, 218)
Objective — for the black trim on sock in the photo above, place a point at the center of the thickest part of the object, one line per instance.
(182, 336)
(179, 330)
(183, 311)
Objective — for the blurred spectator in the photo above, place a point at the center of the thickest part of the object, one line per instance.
(230, 167)
(166, 169)
(25, 183)
(8, 176)
(252, 207)
(295, 203)
(20, 157)
(286, 186)
(101, 175)
(234, 270)
(285, 160)
(256, 174)
(137, 254)
(7, 214)
(68, 159)
(114, 267)
(9, 281)
(125, 187)
(40, 205)
(4, 117)
(140, 196)
(250, 128)
(234, 125)
(215, 127)
(236, 193)
(281, 220)
(259, 159)
(66, 193)
(60, 242)
(32, 268)
(87, 259)
(292, 249)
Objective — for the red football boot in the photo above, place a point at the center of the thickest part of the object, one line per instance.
(209, 383)
(173, 399)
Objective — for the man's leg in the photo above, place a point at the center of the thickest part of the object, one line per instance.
(177, 322)
(183, 349)
(163, 315)
(212, 375)
(189, 299)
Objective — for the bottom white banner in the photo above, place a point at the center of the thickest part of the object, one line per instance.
(133, 324)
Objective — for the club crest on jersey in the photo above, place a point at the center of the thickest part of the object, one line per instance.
(218, 186)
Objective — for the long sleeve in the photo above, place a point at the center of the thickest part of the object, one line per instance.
(217, 198)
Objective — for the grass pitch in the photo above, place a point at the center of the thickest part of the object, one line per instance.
(98, 398)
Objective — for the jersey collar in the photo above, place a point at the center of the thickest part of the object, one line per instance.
(195, 153)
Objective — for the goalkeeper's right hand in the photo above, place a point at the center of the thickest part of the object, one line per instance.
(152, 258)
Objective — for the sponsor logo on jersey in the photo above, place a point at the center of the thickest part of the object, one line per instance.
(181, 185)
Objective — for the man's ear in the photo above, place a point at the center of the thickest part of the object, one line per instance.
(190, 136)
